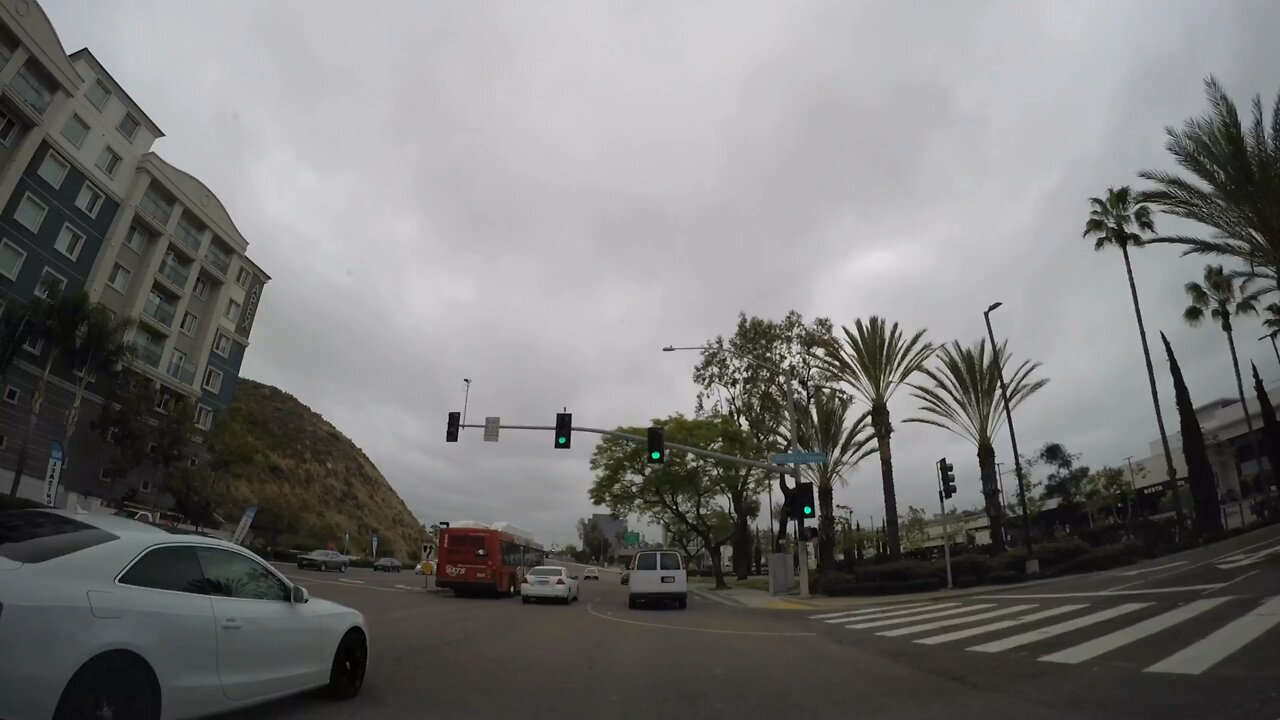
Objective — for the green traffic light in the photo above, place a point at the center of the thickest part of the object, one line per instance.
(808, 509)
(655, 455)
(562, 439)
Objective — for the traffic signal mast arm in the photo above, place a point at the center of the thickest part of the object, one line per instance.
(642, 440)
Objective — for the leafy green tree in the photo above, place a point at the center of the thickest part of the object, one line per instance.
(15, 328)
(1220, 299)
(123, 424)
(171, 438)
(1199, 471)
(831, 428)
(100, 349)
(571, 550)
(915, 528)
(57, 319)
(965, 398)
(1233, 186)
(593, 538)
(1270, 428)
(1120, 221)
(875, 359)
(686, 492)
(1107, 489)
(744, 384)
(1067, 482)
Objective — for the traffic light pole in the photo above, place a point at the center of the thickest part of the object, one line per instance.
(759, 465)
(801, 544)
(946, 526)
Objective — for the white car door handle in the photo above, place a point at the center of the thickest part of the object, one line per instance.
(231, 624)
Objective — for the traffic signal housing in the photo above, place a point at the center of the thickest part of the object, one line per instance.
(564, 430)
(802, 506)
(948, 478)
(455, 423)
(657, 444)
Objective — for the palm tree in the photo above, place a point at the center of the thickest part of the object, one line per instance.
(100, 347)
(1239, 180)
(827, 429)
(57, 320)
(1119, 221)
(965, 399)
(14, 329)
(1220, 298)
(1272, 323)
(875, 359)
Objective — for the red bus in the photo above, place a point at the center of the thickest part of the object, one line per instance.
(478, 557)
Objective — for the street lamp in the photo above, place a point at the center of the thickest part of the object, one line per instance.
(795, 433)
(1272, 337)
(1033, 565)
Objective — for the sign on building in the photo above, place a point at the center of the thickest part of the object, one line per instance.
(53, 474)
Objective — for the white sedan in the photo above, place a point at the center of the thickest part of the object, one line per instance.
(549, 582)
(117, 618)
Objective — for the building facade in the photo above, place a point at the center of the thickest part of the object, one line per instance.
(89, 205)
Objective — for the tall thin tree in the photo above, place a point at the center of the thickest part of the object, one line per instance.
(1204, 492)
(1220, 298)
(1270, 428)
(1119, 221)
(965, 399)
(875, 359)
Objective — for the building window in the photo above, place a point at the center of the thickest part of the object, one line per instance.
(233, 310)
(212, 380)
(188, 326)
(136, 239)
(31, 213)
(69, 242)
(145, 486)
(4, 442)
(177, 361)
(11, 395)
(109, 161)
(243, 276)
(90, 199)
(105, 475)
(222, 344)
(75, 130)
(204, 420)
(128, 126)
(53, 169)
(98, 93)
(8, 128)
(201, 289)
(51, 284)
(119, 279)
(33, 345)
(192, 462)
(11, 257)
(164, 403)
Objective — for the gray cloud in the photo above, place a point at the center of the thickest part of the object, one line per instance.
(539, 196)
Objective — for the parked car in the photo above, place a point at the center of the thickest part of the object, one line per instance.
(387, 564)
(324, 560)
(658, 576)
(196, 625)
(549, 582)
(591, 574)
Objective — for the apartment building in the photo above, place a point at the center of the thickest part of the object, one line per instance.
(88, 204)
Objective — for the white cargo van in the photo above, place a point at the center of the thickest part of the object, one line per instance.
(658, 576)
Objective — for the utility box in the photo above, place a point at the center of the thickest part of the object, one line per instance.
(782, 579)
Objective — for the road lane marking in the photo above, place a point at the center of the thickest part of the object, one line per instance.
(1153, 569)
(309, 580)
(354, 582)
(1212, 561)
(1124, 636)
(876, 616)
(1047, 632)
(1103, 593)
(992, 627)
(591, 610)
(824, 616)
(914, 618)
(1248, 559)
(1204, 654)
(1234, 580)
(955, 621)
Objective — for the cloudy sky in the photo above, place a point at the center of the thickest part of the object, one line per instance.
(539, 196)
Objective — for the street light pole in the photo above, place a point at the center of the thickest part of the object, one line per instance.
(1033, 565)
(1272, 337)
(801, 545)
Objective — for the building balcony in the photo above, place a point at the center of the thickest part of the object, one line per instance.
(184, 372)
(155, 210)
(31, 91)
(187, 237)
(174, 275)
(158, 313)
(219, 260)
(147, 353)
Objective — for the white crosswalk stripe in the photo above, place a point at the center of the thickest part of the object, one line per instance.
(970, 619)
(912, 629)
(915, 618)
(892, 613)
(1204, 654)
(1124, 636)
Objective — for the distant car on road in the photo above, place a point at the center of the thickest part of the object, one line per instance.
(591, 574)
(387, 564)
(118, 618)
(549, 582)
(323, 560)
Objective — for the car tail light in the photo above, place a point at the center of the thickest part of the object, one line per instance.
(559, 581)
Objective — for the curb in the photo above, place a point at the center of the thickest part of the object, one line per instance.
(713, 596)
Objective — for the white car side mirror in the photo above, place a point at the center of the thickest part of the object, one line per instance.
(300, 594)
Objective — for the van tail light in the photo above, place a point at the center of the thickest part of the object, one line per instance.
(559, 581)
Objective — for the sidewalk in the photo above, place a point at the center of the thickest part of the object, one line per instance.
(760, 599)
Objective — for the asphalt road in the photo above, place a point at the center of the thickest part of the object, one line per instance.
(434, 655)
